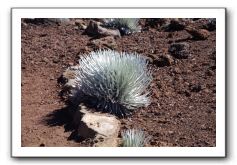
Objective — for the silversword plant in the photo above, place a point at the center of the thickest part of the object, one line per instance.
(134, 138)
(125, 25)
(116, 82)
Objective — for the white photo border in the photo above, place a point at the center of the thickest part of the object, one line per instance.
(218, 151)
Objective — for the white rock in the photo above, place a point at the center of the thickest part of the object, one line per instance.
(103, 127)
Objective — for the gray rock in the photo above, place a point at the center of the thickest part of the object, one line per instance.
(94, 29)
(180, 50)
(174, 25)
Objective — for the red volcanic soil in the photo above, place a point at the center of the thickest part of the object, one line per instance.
(183, 108)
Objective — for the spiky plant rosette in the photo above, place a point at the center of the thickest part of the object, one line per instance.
(134, 138)
(117, 82)
(126, 26)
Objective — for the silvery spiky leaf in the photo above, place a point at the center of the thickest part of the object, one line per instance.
(134, 138)
(125, 25)
(117, 82)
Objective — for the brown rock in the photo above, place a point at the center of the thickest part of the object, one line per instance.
(198, 34)
(106, 42)
(80, 24)
(160, 61)
(95, 29)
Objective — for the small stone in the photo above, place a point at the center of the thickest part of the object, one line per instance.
(80, 24)
(164, 60)
(174, 25)
(187, 93)
(24, 24)
(198, 34)
(196, 88)
(106, 42)
(55, 60)
(155, 22)
(188, 71)
(210, 25)
(70, 64)
(170, 132)
(42, 145)
(45, 59)
(206, 90)
(180, 50)
(177, 70)
(153, 143)
(76, 28)
(43, 35)
(157, 95)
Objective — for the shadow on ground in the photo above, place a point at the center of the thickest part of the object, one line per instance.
(65, 117)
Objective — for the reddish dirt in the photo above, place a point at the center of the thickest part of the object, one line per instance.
(182, 112)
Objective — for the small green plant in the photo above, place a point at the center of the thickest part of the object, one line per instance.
(126, 26)
(116, 82)
(134, 138)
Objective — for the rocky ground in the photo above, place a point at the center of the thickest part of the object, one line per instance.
(181, 53)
